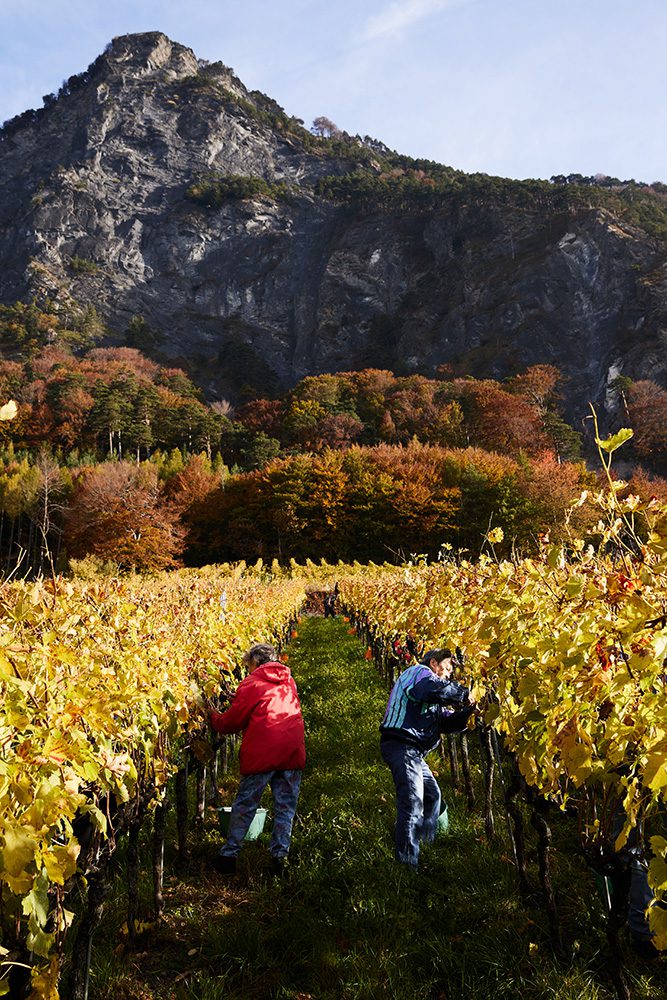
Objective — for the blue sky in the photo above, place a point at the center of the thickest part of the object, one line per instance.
(519, 88)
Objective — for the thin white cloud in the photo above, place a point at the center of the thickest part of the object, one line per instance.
(394, 19)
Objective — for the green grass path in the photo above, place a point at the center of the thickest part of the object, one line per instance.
(346, 921)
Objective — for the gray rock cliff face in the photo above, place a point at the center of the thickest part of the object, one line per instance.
(266, 290)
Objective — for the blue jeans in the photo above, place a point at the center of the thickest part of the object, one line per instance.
(417, 799)
(640, 894)
(285, 787)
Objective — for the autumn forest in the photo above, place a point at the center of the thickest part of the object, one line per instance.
(116, 459)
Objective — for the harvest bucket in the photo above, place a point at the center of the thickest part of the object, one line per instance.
(255, 828)
(605, 890)
(443, 821)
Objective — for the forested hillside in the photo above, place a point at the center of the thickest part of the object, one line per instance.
(114, 456)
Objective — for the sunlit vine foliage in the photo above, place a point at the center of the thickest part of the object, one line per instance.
(100, 685)
(568, 652)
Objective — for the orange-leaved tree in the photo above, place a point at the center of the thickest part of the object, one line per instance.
(648, 416)
(118, 513)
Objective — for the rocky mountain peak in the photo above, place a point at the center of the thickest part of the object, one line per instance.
(148, 52)
(156, 185)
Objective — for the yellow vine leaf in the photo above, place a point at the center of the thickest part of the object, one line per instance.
(44, 981)
(655, 770)
(18, 850)
(60, 861)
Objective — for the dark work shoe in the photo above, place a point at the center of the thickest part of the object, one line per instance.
(277, 866)
(224, 864)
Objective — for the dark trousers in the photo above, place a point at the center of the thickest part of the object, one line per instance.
(417, 799)
(285, 787)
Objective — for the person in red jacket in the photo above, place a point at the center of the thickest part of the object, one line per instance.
(266, 710)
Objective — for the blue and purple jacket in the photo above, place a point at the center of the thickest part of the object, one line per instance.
(419, 706)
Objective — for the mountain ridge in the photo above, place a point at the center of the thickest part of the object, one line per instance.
(157, 185)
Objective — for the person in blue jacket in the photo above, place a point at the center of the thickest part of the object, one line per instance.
(420, 708)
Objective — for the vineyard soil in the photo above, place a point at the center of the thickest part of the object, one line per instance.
(346, 922)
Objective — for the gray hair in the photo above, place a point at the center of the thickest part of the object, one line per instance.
(261, 653)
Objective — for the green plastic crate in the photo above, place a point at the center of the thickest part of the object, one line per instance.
(256, 827)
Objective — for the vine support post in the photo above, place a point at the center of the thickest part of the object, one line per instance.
(181, 793)
(467, 777)
(489, 769)
(213, 776)
(133, 879)
(159, 824)
(499, 764)
(616, 960)
(83, 943)
(200, 807)
(617, 911)
(540, 824)
(453, 759)
(516, 785)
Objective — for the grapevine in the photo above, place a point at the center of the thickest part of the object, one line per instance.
(569, 652)
(101, 688)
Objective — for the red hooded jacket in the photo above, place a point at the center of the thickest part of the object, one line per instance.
(266, 709)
